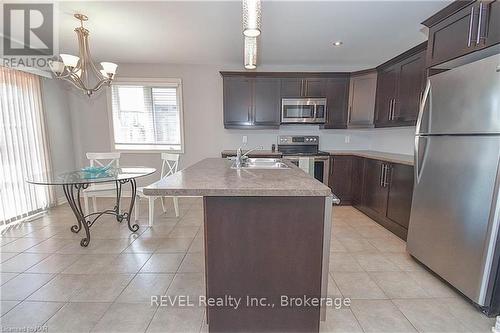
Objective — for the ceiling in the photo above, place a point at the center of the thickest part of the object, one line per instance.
(294, 33)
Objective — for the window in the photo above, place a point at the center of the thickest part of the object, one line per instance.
(147, 115)
(24, 150)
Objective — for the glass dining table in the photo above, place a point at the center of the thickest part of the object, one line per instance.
(74, 183)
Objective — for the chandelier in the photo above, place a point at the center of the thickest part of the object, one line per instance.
(81, 71)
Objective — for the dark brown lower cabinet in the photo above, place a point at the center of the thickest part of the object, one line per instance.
(259, 248)
(400, 194)
(374, 193)
(358, 169)
(387, 195)
(340, 178)
(380, 189)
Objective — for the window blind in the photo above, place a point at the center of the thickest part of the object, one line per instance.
(23, 146)
(146, 117)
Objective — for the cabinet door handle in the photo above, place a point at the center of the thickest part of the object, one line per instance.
(471, 21)
(381, 178)
(350, 113)
(480, 18)
(390, 109)
(386, 175)
(393, 109)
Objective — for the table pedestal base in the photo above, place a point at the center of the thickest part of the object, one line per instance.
(73, 193)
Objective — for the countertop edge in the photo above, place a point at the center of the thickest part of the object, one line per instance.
(235, 193)
(377, 155)
(374, 154)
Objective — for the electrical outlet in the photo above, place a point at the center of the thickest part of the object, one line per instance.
(245, 139)
(347, 139)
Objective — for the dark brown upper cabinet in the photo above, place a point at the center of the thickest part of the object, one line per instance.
(315, 87)
(292, 87)
(411, 86)
(266, 102)
(251, 102)
(492, 27)
(400, 83)
(337, 95)
(387, 80)
(461, 28)
(303, 87)
(237, 101)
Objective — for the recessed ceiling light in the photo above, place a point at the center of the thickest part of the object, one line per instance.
(338, 43)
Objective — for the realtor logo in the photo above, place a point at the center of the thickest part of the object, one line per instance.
(28, 29)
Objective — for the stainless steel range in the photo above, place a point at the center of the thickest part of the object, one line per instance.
(303, 151)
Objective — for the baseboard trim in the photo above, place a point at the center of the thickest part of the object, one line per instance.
(384, 221)
(61, 201)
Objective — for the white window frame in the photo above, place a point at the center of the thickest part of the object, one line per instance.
(157, 82)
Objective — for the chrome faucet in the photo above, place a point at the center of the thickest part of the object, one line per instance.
(239, 156)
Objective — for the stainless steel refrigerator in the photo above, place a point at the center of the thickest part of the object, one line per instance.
(455, 211)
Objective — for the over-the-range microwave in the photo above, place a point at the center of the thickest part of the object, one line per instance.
(303, 110)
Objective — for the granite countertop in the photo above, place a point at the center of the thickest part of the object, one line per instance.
(388, 157)
(255, 153)
(214, 177)
(378, 155)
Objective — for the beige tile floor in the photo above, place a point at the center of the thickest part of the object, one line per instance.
(48, 279)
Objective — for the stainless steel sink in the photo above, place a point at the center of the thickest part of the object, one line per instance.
(262, 163)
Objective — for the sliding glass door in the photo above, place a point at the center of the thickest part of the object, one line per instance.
(23, 146)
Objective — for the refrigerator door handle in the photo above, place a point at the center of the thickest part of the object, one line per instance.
(422, 107)
(419, 158)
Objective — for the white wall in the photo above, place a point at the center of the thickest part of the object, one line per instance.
(204, 132)
(59, 128)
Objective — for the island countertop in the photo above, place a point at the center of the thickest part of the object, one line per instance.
(214, 177)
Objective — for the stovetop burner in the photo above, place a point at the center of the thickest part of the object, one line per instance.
(296, 153)
(300, 145)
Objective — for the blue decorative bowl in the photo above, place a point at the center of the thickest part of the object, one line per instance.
(95, 170)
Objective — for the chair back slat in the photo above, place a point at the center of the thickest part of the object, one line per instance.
(104, 159)
(170, 164)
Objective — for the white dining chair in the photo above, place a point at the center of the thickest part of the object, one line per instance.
(100, 190)
(170, 164)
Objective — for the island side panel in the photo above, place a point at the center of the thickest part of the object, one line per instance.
(264, 247)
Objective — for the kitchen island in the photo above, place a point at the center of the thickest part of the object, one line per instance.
(267, 238)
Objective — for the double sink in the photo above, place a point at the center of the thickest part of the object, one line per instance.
(261, 163)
